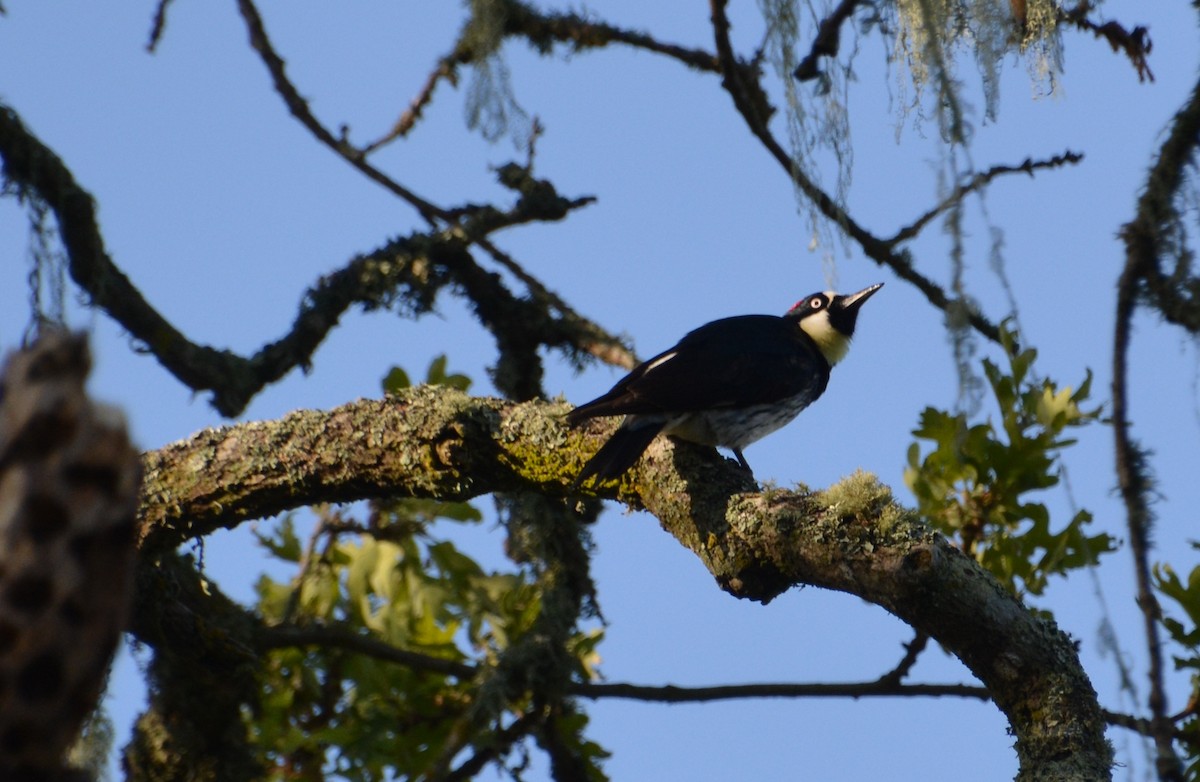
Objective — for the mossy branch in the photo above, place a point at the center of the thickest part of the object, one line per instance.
(439, 443)
(406, 273)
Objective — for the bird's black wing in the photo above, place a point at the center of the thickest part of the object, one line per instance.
(734, 362)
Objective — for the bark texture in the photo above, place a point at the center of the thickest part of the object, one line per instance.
(852, 537)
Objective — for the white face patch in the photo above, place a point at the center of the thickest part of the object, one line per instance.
(832, 343)
(658, 362)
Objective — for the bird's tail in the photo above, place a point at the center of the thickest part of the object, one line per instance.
(622, 449)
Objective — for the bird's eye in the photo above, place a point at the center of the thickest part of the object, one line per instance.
(817, 303)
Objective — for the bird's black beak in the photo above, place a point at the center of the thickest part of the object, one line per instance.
(843, 311)
(852, 301)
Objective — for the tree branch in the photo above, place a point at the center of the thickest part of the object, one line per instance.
(158, 25)
(37, 171)
(202, 677)
(978, 182)
(518, 338)
(411, 270)
(672, 694)
(426, 442)
(885, 686)
(445, 69)
(828, 39)
(740, 81)
(286, 636)
(1147, 239)
(542, 30)
(337, 638)
(500, 742)
(300, 110)
(441, 444)
(1135, 44)
(912, 650)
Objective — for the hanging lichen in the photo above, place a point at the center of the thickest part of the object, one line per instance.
(930, 36)
(818, 120)
(491, 105)
(930, 43)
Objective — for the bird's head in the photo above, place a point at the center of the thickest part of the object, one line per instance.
(829, 319)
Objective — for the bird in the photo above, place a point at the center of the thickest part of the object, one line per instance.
(727, 383)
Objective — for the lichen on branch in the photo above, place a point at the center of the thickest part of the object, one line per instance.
(439, 443)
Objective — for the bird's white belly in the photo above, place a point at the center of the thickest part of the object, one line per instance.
(735, 427)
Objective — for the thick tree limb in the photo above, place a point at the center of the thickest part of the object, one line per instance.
(439, 443)
(427, 442)
(201, 678)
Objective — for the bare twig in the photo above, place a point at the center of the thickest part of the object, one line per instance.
(497, 744)
(746, 100)
(1135, 487)
(445, 69)
(544, 29)
(540, 199)
(280, 637)
(1135, 43)
(827, 40)
(976, 183)
(671, 694)
(338, 638)
(300, 110)
(912, 650)
(158, 25)
(1139, 725)
(326, 520)
(590, 337)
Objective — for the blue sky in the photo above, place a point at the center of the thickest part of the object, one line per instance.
(222, 210)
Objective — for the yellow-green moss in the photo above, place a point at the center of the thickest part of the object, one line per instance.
(861, 495)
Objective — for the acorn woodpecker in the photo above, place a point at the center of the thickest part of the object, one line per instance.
(728, 383)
